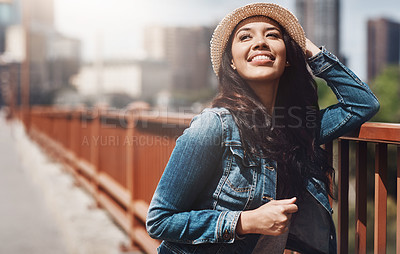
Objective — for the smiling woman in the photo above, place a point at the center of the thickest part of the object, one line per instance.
(259, 56)
(249, 175)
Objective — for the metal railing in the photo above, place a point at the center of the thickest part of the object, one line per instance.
(119, 158)
(380, 135)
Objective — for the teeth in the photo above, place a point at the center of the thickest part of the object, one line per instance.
(261, 57)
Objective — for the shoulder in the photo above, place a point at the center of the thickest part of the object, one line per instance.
(206, 124)
(210, 123)
(220, 112)
(213, 116)
(216, 122)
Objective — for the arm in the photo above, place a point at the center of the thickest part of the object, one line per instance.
(356, 103)
(193, 162)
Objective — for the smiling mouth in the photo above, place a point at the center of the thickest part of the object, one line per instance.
(262, 58)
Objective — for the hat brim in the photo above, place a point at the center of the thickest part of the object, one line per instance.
(276, 12)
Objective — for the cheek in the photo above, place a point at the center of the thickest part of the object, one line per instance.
(239, 53)
(281, 49)
(236, 55)
(282, 53)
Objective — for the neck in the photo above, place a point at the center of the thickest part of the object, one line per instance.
(266, 92)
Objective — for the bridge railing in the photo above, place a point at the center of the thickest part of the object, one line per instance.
(380, 136)
(119, 158)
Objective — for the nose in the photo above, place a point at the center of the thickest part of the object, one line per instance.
(260, 44)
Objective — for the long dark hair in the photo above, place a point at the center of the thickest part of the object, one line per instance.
(289, 135)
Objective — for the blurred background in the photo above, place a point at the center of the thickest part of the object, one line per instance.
(115, 52)
(86, 53)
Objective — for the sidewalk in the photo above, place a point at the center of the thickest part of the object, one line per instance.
(26, 226)
(41, 210)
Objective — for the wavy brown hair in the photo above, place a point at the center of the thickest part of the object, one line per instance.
(290, 135)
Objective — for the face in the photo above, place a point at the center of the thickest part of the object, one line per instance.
(258, 50)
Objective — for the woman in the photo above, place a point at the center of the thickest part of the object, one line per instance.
(249, 175)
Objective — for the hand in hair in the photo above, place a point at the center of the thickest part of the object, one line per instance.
(272, 218)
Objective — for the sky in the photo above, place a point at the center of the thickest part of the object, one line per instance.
(114, 29)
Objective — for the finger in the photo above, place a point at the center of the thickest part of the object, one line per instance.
(285, 230)
(291, 208)
(287, 201)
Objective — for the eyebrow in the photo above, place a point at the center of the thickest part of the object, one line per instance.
(249, 28)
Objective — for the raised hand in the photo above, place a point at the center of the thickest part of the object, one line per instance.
(311, 49)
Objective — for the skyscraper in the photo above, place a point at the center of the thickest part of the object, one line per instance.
(383, 45)
(53, 58)
(320, 20)
(186, 51)
(9, 15)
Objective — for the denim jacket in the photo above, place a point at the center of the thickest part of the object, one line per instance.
(209, 180)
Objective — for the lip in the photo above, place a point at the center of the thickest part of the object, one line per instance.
(261, 53)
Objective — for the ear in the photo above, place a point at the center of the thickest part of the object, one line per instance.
(233, 65)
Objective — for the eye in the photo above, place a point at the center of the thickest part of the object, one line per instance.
(243, 37)
(273, 35)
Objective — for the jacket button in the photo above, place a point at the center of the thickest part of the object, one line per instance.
(226, 235)
(270, 168)
(267, 198)
(331, 236)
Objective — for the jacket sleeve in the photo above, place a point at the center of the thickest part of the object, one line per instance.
(193, 162)
(356, 103)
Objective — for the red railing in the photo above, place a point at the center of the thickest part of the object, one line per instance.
(380, 135)
(119, 158)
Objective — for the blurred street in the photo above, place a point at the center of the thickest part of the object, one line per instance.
(41, 210)
(26, 225)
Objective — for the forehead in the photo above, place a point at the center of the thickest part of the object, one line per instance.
(257, 19)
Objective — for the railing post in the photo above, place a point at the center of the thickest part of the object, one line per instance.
(361, 197)
(398, 201)
(68, 122)
(79, 140)
(76, 126)
(94, 132)
(343, 197)
(51, 125)
(380, 198)
(130, 160)
(329, 149)
(70, 131)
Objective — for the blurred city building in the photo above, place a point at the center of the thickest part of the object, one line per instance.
(112, 76)
(185, 51)
(155, 81)
(176, 71)
(111, 82)
(53, 58)
(383, 45)
(118, 82)
(321, 22)
(9, 15)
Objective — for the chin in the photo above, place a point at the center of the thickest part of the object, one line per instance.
(265, 78)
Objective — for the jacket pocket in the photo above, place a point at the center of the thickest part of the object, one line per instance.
(237, 184)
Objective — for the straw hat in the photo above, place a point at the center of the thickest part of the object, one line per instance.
(276, 12)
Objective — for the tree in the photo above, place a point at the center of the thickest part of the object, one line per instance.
(386, 87)
(325, 95)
